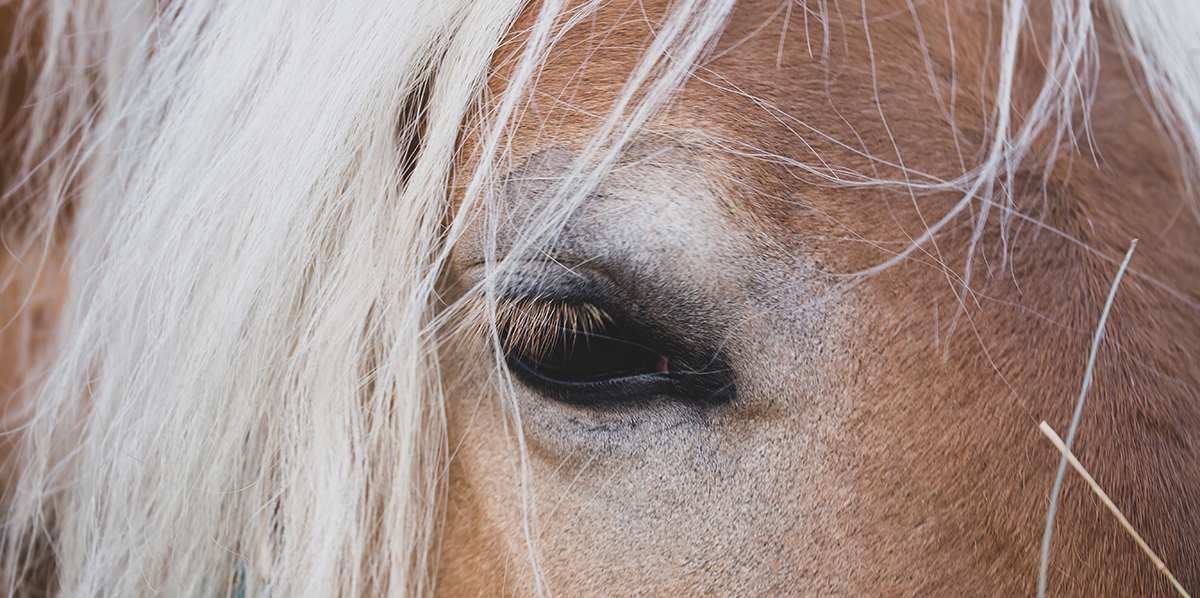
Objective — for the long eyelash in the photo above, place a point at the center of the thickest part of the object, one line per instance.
(531, 327)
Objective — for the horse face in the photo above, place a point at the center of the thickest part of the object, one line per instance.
(711, 398)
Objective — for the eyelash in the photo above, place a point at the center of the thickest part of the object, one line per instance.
(574, 343)
(579, 353)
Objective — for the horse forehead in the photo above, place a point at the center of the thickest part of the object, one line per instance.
(766, 58)
(772, 88)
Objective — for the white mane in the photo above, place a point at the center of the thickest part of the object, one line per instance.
(247, 394)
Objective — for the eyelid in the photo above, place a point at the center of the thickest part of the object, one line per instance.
(536, 320)
(536, 309)
(573, 342)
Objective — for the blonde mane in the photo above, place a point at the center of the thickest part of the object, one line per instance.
(246, 396)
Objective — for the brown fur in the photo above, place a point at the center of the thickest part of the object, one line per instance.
(884, 443)
(32, 276)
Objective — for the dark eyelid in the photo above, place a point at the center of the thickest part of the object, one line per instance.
(703, 376)
(705, 389)
(557, 285)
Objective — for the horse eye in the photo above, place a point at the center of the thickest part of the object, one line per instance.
(574, 344)
(577, 353)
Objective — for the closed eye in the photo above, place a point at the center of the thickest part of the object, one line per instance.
(574, 343)
(578, 353)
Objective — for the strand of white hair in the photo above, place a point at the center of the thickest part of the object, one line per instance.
(246, 396)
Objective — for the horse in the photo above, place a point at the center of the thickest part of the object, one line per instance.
(597, 297)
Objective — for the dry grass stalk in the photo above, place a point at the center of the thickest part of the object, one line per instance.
(1087, 384)
(1158, 563)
